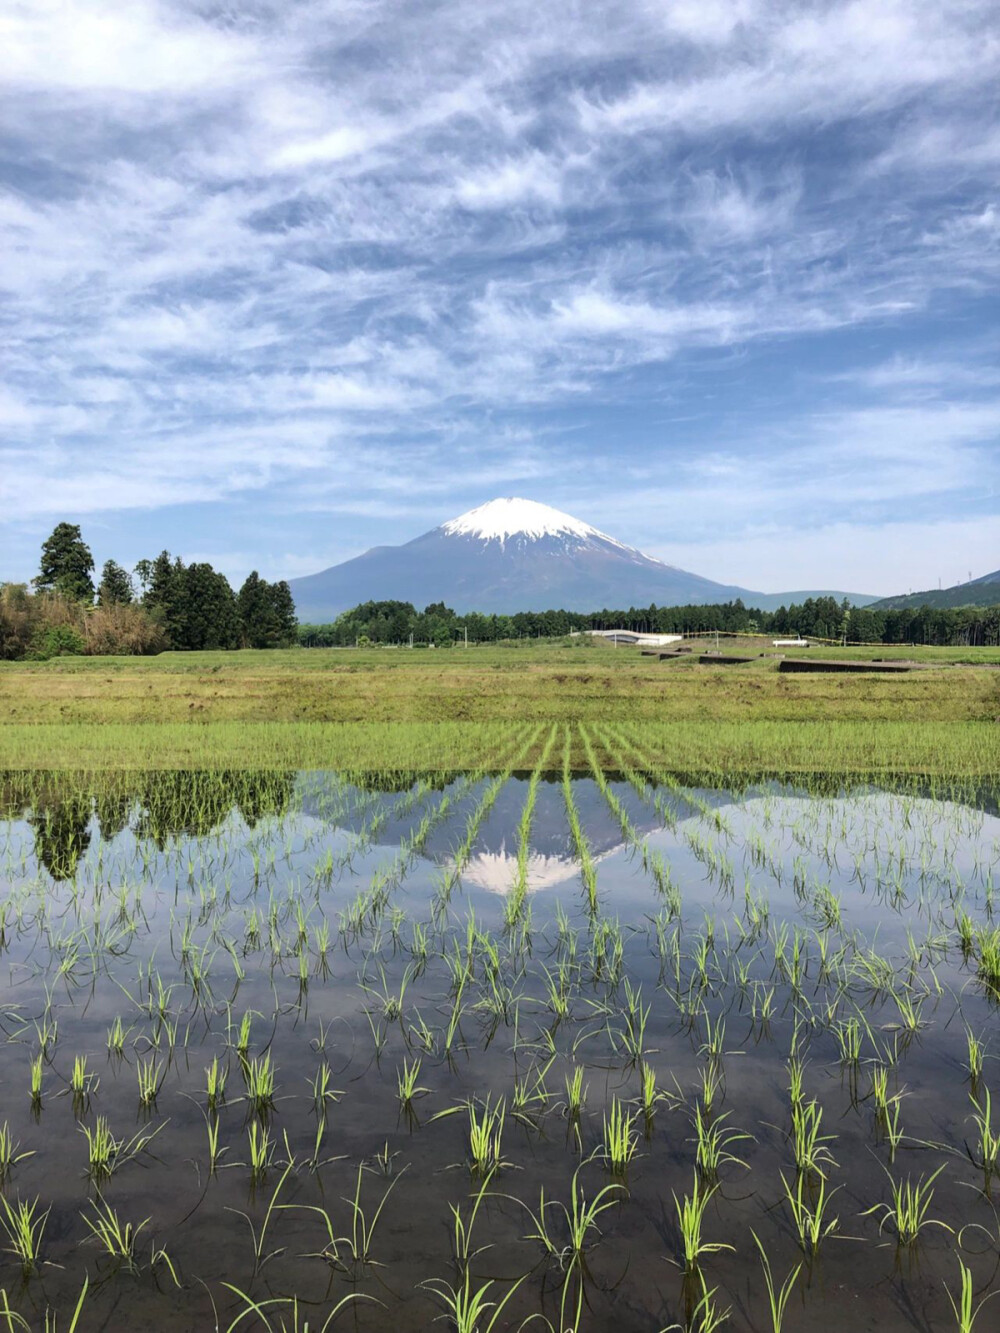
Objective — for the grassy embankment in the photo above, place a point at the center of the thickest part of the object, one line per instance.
(448, 709)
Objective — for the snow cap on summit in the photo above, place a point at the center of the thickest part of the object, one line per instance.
(513, 517)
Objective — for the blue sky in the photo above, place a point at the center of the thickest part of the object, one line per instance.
(285, 280)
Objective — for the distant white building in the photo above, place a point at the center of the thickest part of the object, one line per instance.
(634, 637)
(790, 643)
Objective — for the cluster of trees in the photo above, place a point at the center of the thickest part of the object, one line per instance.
(198, 609)
(393, 622)
(162, 604)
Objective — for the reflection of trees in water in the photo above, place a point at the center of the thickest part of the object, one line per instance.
(392, 781)
(62, 835)
(156, 805)
(192, 804)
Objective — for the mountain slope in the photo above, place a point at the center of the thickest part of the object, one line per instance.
(514, 555)
(984, 591)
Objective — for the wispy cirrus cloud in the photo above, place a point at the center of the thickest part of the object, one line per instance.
(381, 261)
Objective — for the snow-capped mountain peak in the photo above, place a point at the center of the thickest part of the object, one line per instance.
(499, 520)
(505, 556)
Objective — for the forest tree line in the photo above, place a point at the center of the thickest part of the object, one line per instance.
(161, 604)
(393, 622)
(164, 604)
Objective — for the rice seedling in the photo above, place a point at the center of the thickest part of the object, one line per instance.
(987, 951)
(261, 1148)
(975, 1056)
(485, 1135)
(576, 1092)
(965, 1311)
(889, 1124)
(149, 1072)
(214, 1151)
(353, 1251)
(909, 1208)
(985, 1150)
(241, 1042)
(778, 1296)
(105, 1153)
(469, 1308)
(10, 1153)
(568, 1245)
(703, 1315)
(808, 1144)
(531, 1095)
(258, 1079)
(264, 1159)
(323, 1091)
(713, 1138)
(35, 1071)
(849, 1035)
(82, 1082)
(116, 1238)
(809, 1208)
(879, 1087)
(264, 1309)
(650, 1096)
(117, 1036)
(407, 1082)
(462, 1227)
(24, 1227)
(711, 1084)
(690, 1222)
(620, 1141)
(215, 1083)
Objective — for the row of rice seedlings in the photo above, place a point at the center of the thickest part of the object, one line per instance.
(588, 872)
(629, 831)
(516, 898)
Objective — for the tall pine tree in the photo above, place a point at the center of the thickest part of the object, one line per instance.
(67, 564)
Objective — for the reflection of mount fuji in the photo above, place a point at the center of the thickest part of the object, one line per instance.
(496, 871)
(552, 860)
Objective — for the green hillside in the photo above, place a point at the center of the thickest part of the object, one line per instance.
(984, 591)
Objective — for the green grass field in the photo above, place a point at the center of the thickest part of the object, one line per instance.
(450, 708)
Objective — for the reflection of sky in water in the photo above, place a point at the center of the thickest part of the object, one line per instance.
(895, 863)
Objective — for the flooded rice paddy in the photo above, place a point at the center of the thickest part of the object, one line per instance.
(590, 1052)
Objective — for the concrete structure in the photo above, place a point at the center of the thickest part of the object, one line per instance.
(818, 664)
(790, 643)
(635, 638)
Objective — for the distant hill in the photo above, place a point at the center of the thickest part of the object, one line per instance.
(514, 555)
(984, 591)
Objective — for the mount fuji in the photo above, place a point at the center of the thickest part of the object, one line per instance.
(516, 555)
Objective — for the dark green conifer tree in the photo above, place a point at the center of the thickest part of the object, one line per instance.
(115, 585)
(67, 564)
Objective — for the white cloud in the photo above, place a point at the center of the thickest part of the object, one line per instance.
(313, 251)
(849, 557)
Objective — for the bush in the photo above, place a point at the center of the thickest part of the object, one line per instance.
(56, 641)
(47, 624)
(122, 629)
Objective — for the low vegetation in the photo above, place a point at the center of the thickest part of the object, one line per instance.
(407, 710)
